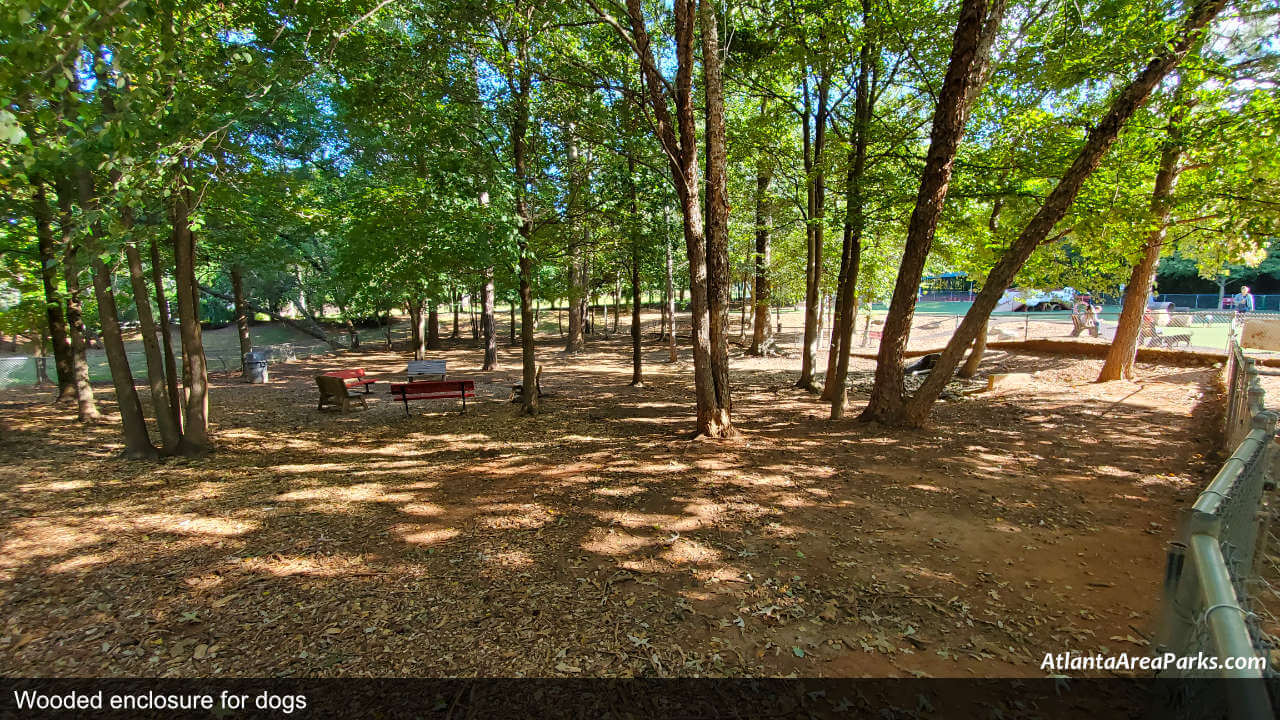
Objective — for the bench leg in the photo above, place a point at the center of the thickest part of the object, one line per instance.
(406, 406)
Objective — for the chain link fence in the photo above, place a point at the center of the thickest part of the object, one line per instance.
(1216, 566)
(1211, 301)
(20, 370)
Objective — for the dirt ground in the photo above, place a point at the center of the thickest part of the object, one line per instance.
(596, 539)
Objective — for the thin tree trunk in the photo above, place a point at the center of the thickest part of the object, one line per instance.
(637, 357)
(670, 304)
(242, 314)
(1056, 205)
(971, 364)
(815, 184)
(976, 29)
(454, 301)
(54, 313)
(1124, 346)
(762, 333)
(86, 404)
(137, 442)
(433, 326)
(854, 225)
(490, 323)
(166, 336)
(170, 432)
(529, 399)
(195, 418)
(512, 328)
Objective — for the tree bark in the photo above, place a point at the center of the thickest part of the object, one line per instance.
(854, 224)
(242, 314)
(1055, 206)
(1124, 346)
(170, 432)
(670, 301)
(529, 399)
(678, 137)
(54, 313)
(195, 416)
(137, 442)
(166, 336)
(86, 404)
(978, 24)
(489, 323)
(815, 184)
(433, 326)
(971, 364)
(762, 332)
(717, 192)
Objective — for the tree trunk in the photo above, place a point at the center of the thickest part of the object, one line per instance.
(1124, 346)
(242, 314)
(166, 336)
(512, 328)
(978, 24)
(1055, 206)
(762, 333)
(195, 417)
(170, 432)
(455, 301)
(815, 185)
(86, 405)
(637, 358)
(971, 364)
(490, 323)
(433, 327)
(670, 304)
(54, 313)
(529, 387)
(717, 192)
(854, 224)
(137, 442)
(386, 324)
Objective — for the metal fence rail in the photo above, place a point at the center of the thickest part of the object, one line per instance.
(1211, 567)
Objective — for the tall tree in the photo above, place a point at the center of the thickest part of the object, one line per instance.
(1036, 232)
(976, 30)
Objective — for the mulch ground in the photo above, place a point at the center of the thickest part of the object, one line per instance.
(596, 539)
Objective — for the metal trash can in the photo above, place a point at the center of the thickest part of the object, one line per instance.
(255, 366)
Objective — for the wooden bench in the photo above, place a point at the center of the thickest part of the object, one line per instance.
(334, 393)
(353, 377)
(433, 389)
(420, 368)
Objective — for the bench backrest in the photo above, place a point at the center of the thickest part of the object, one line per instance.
(333, 386)
(433, 386)
(353, 373)
(426, 367)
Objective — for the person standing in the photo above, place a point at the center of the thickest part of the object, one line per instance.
(1243, 300)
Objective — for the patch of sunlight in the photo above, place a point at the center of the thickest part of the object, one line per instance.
(82, 562)
(690, 552)
(927, 488)
(669, 523)
(419, 535)
(1005, 527)
(56, 486)
(187, 524)
(423, 509)
(516, 517)
(924, 572)
(624, 491)
(718, 575)
(646, 565)
(29, 539)
(286, 565)
(613, 543)
(512, 559)
(362, 492)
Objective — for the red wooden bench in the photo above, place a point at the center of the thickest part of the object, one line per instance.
(353, 377)
(432, 389)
